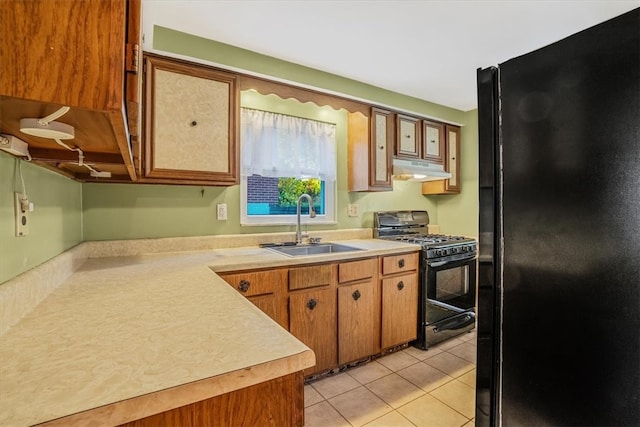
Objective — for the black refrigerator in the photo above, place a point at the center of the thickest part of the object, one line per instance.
(559, 240)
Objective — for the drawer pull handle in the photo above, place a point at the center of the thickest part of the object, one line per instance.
(312, 304)
(244, 285)
(400, 285)
(356, 295)
(401, 263)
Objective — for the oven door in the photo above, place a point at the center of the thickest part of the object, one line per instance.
(451, 282)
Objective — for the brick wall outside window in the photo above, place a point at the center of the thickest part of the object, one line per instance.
(262, 189)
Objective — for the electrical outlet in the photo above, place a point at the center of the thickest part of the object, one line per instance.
(352, 210)
(22, 214)
(222, 211)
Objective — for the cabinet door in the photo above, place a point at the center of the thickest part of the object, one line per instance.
(357, 321)
(381, 137)
(191, 122)
(408, 136)
(265, 289)
(312, 319)
(399, 309)
(433, 141)
(274, 307)
(452, 163)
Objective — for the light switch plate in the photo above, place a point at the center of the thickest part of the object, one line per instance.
(22, 215)
(352, 209)
(222, 211)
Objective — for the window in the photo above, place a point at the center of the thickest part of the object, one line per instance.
(283, 157)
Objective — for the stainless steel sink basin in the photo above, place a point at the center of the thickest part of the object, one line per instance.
(315, 249)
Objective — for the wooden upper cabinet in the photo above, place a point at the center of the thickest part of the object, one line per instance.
(433, 147)
(80, 54)
(370, 150)
(191, 123)
(408, 136)
(61, 52)
(451, 165)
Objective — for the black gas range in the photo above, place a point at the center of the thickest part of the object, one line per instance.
(447, 275)
(412, 227)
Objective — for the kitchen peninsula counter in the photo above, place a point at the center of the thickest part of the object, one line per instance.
(125, 337)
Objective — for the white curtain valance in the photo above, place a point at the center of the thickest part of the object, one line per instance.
(277, 145)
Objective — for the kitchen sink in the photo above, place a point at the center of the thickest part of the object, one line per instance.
(313, 249)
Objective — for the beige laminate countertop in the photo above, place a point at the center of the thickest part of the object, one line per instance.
(127, 337)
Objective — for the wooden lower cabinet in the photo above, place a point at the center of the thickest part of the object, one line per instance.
(273, 306)
(399, 309)
(279, 402)
(266, 289)
(344, 311)
(312, 319)
(358, 329)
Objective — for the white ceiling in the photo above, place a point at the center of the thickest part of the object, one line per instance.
(426, 49)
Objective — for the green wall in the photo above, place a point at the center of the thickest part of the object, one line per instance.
(67, 212)
(55, 225)
(172, 41)
(458, 214)
(122, 211)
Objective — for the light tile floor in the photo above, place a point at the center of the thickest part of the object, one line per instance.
(407, 388)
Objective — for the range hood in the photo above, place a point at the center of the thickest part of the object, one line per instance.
(418, 170)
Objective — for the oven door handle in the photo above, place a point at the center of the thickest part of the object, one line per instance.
(457, 322)
(437, 264)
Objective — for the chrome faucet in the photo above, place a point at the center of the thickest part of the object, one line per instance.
(312, 214)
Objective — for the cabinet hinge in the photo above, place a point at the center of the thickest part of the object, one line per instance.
(131, 57)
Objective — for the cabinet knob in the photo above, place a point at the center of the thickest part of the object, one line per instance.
(401, 263)
(407, 136)
(381, 147)
(312, 304)
(356, 295)
(400, 285)
(243, 286)
(193, 123)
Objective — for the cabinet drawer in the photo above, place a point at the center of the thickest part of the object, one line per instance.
(356, 270)
(257, 282)
(399, 263)
(311, 276)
